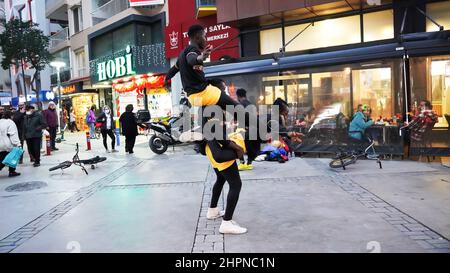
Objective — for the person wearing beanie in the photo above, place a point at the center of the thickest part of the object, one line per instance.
(51, 118)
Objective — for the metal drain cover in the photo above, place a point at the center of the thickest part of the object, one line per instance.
(26, 186)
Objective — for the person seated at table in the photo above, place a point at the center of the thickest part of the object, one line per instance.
(361, 121)
(423, 121)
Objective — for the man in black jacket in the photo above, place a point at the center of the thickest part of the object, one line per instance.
(33, 125)
(129, 128)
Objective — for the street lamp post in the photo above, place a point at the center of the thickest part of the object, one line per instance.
(58, 66)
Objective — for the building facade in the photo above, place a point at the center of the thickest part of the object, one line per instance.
(326, 57)
(87, 34)
(5, 78)
(20, 77)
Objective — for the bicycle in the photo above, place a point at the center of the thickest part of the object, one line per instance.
(345, 158)
(79, 162)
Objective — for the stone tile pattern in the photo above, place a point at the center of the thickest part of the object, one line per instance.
(24, 233)
(208, 239)
(423, 235)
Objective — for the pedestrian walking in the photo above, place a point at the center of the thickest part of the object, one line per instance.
(9, 138)
(90, 121)
(129, 128)
(33, 125)
(73, 121)
(107, 128)
(51, 119)
(18, 118)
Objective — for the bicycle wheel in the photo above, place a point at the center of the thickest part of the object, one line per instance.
(345, 161)
(62, 166)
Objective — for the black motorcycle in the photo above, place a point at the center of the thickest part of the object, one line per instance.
(166, 132)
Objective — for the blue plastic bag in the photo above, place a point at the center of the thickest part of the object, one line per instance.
(13, 157)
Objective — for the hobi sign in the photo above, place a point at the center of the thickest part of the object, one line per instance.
(115, 68)
(133, 60)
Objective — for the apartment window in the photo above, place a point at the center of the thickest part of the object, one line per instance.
(378, 25)
(80, 58)
(77, 19)
(440, 12)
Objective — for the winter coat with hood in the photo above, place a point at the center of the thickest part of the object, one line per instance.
(9, 136)
(51, 118)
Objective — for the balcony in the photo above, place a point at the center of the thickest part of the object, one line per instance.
(60, 37)
(108, 10)
(205, 8)
(56, 10)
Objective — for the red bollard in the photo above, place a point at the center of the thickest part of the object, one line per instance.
(48, 145)
(88, 140)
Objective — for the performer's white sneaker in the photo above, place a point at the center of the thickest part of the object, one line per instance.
(214, 213)
(231, 227)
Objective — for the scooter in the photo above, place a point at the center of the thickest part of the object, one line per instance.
(165, 134)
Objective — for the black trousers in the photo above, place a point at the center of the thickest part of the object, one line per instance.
(110, 133)
(129, 143)
(231, 175)
(52, 131)
(34, 148)
(2, 157)
(253, 147)
(73, 126)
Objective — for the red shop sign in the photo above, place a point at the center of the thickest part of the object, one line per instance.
(139, 3)
(176, 38)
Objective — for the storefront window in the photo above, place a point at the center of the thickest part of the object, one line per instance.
(331, 32)
(332, 89)
(440, 90)
(270, 40)
(123, 37)
(440, 12)
(81, 104)
(378, 25)
(430, 79)
(373, 87)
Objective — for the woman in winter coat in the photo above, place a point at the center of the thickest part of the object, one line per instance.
(107, 129)
(90, 121)
(9, 138)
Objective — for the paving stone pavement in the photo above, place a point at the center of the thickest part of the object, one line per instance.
(26, 232)
(419, 232)
(208, 239)
(206, 236)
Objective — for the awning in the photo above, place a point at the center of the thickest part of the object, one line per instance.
(417, 44)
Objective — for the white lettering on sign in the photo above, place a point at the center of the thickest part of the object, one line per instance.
(217, 37)
(118, 67)
(217, 28)
(210, 29)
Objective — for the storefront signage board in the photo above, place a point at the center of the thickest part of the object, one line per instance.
(116, 68)
(140, 3)
(176, 38)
